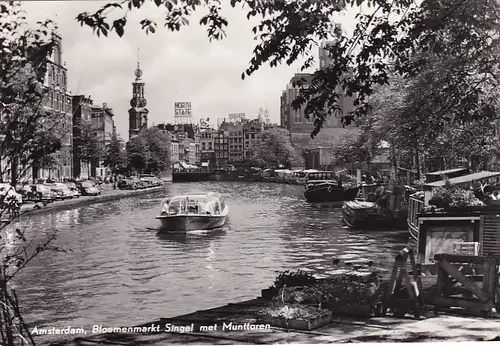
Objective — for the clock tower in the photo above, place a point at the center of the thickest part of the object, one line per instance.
(138, 113)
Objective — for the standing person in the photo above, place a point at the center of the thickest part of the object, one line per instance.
(114, 182)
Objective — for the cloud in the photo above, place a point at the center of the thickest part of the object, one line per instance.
(177, 66)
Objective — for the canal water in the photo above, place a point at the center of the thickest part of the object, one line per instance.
(119, 270)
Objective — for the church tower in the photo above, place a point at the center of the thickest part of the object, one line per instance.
(138, 114)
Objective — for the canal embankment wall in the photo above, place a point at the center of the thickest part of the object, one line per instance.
(106, 196)
(185, 177)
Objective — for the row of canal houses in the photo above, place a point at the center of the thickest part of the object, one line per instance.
(205, 146)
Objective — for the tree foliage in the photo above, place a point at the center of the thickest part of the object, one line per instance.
(90, 146)
(401, 36)
(149, 151)
(27, 134)
(273, 149)
(115, 156)
(406, 114)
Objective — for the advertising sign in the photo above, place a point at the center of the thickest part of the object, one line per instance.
(236, 117)
(182, 109)
(183, 113)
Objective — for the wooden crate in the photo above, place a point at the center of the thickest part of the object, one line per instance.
(299, 324)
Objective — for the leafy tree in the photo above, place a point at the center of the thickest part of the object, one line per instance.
(159, 148)
(273, 149)
(90, 147)
(115, 156)
(401, 36)
(27, 134)
(149, 151)
(137, 153)
(403, 113)
(352, 149)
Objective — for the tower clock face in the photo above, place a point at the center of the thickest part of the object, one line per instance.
(141, 103)
(133, 102)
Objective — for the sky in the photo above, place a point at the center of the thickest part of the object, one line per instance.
(177, 66)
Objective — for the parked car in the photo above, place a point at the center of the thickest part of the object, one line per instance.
(8, 194)
(73, 188)
(61, 191)
(139, 183)
(126, 184)
(152, 181)
(38, 193)
(88, 188)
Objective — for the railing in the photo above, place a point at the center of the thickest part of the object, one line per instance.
(415, 206)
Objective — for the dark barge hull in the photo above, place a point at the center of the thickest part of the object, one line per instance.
(333, 195)
(368, 220)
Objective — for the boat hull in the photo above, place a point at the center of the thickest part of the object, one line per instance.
(330, 195)
(365, 217)
(183, 223)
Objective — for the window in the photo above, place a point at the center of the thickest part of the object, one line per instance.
(203, 146)
(209, 145)
(297, 119)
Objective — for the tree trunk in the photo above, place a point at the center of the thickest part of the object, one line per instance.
(13, 171)
(417, 163)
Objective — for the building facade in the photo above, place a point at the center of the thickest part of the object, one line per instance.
(207, 146)
(252, 131)
(138, 113)
(191, 153)
(58, 101)
(235, 141)
(103, 126)
(174, 151)
(221, 146)
(82, 112)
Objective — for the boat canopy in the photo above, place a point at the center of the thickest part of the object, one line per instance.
(469, 178)
(209, 204)
(446, 172)
(450, 173)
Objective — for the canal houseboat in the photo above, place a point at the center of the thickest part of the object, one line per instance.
(193, 212)
(324, 187)
(419, 200)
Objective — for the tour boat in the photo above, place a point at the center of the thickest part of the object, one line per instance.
(193, 212)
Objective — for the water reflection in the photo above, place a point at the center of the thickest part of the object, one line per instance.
(191, 238)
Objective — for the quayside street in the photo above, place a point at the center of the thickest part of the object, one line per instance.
(107, 194)
(428, 328)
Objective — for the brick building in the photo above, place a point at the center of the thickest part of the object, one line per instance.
(103, 125)
(207, 149)
(221, 146)
(252, 131)
(82, 112)
(59, 101)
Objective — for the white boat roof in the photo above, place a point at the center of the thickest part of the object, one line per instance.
(464, 179)
(197, 196)
(448, 171)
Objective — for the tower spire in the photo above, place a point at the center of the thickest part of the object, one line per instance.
(138, 71)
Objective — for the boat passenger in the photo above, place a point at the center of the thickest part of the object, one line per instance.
(381, 197)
